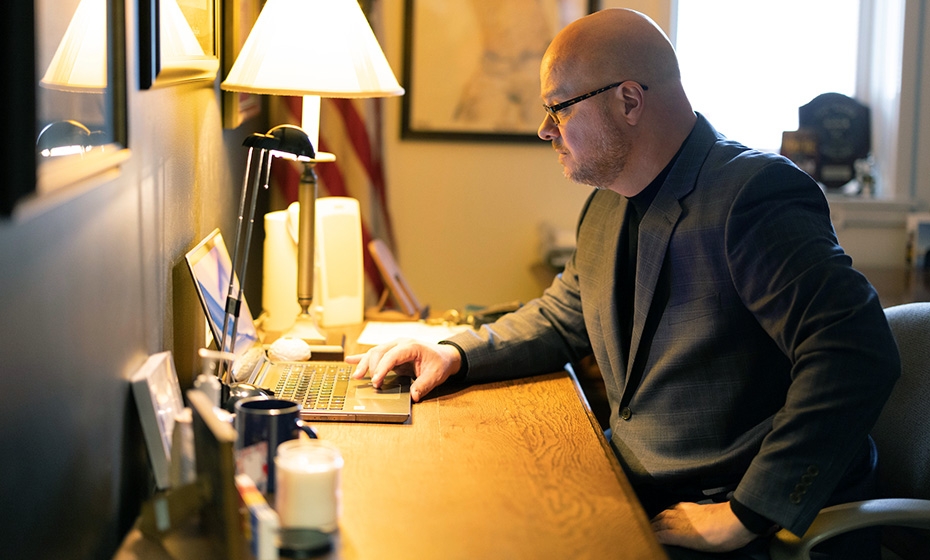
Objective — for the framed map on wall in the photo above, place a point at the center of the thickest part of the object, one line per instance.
(471, 68)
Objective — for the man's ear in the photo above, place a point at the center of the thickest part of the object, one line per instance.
(631, 96)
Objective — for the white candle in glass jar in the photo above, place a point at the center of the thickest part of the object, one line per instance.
(307, 489)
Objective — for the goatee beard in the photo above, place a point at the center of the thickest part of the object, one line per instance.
(607, 162)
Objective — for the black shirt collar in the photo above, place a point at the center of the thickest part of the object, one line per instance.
(644, 198)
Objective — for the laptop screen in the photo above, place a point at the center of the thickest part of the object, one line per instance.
(211, 267)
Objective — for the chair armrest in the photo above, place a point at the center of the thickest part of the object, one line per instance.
(839, 519)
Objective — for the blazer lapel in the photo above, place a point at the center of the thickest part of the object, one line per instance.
(657, 226)
(609, 310)
(654, 234)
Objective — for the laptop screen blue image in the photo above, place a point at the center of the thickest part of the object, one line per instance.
(211, 268)
(322, 388)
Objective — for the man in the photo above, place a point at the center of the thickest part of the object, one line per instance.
(745, 361)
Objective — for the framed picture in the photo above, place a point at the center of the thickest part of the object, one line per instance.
(178, 41)
(918, 240)
(471, 69)
(158, 398)
(238, 18)
(70, 119)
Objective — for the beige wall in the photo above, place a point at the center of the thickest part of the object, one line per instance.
(466, 214)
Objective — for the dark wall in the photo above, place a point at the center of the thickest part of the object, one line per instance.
(93, 281)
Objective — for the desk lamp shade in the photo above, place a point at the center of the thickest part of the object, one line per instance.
(312, 47)
(64, 138)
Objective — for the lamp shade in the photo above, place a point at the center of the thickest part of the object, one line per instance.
(177, 38)
(312, 47)
(80, 62)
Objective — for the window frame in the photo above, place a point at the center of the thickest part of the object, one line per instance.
(887, 111)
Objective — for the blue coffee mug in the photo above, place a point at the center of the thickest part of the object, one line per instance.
(262, 424)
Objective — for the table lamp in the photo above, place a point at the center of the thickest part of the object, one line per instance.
(311, 48)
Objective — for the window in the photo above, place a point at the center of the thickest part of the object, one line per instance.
(748, 66)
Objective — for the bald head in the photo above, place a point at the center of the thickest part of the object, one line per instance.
(650, 122)
(612, 44)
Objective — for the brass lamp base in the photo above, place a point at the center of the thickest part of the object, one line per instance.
(305, 328)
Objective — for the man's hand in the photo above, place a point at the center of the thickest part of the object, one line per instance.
(429, 364)
(708, 528)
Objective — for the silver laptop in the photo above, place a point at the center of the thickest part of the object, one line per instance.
(322, 388)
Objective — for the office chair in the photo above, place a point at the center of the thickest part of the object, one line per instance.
(902, 435)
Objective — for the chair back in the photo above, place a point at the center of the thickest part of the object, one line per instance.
(902, 433)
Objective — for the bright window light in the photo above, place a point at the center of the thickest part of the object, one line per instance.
(748, 66)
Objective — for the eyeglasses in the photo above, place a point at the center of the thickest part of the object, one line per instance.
(554, 109)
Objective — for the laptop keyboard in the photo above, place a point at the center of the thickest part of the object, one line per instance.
(315, 385)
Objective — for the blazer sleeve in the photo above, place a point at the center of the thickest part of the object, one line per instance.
(795, 279)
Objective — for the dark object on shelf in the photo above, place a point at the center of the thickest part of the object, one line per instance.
(842, 128)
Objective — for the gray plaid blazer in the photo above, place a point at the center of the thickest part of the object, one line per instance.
(761, 359)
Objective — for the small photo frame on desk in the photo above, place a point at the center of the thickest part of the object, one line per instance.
(158, 398)
(408, 306)
(918, 240)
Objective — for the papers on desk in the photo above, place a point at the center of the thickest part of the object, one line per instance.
(380, 332)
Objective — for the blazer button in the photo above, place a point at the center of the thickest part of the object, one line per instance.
(626, 413)
(795, 498)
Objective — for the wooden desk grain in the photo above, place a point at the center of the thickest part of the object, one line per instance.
(505, 470)
(511, 470)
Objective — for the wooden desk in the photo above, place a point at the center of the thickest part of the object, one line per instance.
(505, 470)
(515, 469)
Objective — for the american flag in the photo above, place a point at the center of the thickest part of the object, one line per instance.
(352, 130)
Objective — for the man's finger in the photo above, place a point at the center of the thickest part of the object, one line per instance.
(400, 354)
(665, 521)
(371, 360)
(361, 368)
(421, 386)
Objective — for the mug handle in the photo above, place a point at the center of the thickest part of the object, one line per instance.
(307, 429)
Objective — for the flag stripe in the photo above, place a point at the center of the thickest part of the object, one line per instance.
(353, 166)
(367, 148)
(352, 130)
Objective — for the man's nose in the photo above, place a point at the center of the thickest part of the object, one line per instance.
(548, 129)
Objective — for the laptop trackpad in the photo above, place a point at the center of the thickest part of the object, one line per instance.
(387, 391)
